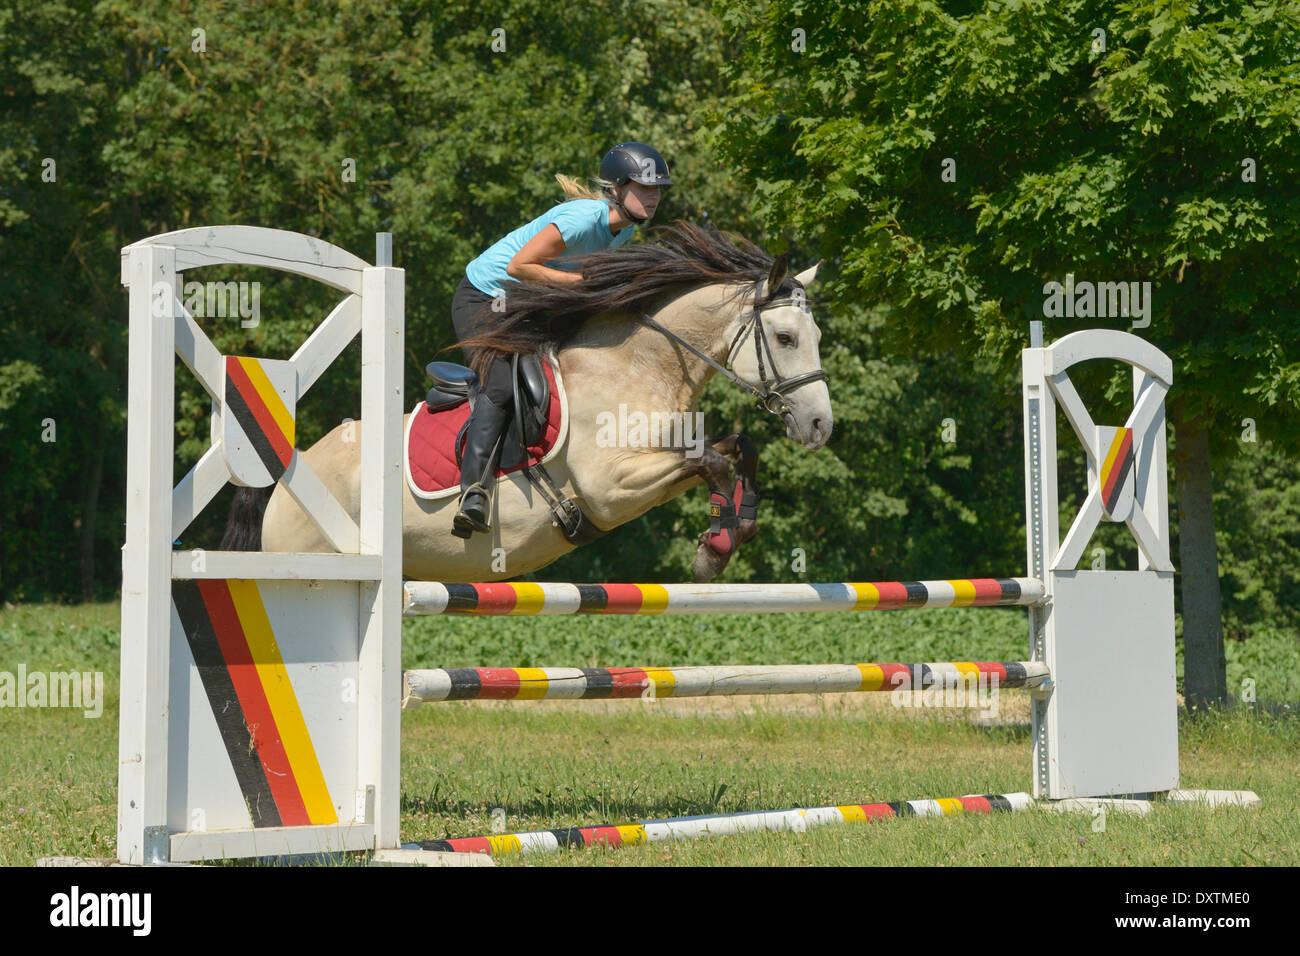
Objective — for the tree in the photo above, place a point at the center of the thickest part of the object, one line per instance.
(442, 122)
(968, 154)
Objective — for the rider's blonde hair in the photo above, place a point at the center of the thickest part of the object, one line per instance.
(575, 190)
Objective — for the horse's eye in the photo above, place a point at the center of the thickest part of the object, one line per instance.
(785, 338)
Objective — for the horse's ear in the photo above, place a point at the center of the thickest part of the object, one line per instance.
(809, 275)
(780, 266)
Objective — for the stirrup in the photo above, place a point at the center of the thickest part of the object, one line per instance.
(464, 523)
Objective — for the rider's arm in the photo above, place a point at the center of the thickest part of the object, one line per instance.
(527, 262)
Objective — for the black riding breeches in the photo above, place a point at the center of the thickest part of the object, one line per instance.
(465, 308)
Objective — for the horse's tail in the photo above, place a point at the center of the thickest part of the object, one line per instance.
(244, 523)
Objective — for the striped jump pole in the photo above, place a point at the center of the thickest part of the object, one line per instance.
(529, 597)
(691, 828)
(608, 683)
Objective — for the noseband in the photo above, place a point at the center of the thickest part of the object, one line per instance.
(770, 393)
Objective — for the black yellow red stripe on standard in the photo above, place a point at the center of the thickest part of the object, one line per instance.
(254, 403)
(689, 828)
(605, 683)
(1116, 467)
(257, 713)
(531, 597)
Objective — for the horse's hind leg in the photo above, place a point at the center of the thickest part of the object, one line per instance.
(336, 460)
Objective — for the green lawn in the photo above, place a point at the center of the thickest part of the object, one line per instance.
(568, 764)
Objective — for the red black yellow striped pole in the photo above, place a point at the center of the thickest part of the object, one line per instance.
(530, 597)
(607, 683)
(690, 828)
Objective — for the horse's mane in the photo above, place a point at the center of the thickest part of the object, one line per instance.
(539, 316)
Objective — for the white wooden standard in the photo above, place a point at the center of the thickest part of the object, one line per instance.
(1107, 724)
(333, 620)
(258, 246)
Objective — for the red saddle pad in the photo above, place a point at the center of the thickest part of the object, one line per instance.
(430, 436)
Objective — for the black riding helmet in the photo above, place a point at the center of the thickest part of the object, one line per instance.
(635, 161)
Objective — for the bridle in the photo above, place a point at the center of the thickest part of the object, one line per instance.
(770, 394)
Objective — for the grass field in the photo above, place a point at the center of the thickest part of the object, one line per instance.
(553, 764)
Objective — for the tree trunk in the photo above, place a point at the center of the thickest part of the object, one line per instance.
(1204, 671)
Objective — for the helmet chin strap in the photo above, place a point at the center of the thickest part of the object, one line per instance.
(639, 220)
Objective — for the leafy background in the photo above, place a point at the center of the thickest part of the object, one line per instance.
(1121, 164)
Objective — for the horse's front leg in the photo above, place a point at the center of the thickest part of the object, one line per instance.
(727, 529)
(743, 456)
(716, 545)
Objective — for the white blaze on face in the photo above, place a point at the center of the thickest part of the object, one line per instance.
(793, 343)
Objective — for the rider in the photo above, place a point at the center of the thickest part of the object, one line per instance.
(544, 250)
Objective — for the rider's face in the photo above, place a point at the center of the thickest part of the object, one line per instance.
(641, 200)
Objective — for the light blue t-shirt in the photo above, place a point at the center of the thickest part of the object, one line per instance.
(583, 225)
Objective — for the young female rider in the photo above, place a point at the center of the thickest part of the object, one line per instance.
(544, 250)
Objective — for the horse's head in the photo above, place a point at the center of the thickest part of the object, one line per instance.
(775, 351)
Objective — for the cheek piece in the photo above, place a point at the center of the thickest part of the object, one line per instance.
(770, 393)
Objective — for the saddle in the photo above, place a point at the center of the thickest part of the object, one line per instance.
(455, 384)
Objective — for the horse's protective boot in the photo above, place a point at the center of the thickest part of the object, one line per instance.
(478, 465)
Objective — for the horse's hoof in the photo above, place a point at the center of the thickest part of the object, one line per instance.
(708, 563)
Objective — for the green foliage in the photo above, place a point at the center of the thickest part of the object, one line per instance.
(1257, 503)
(454, 144)
(61, 355)
(684, 640)
(260, 120)
(1117, 165)
(1121, 164)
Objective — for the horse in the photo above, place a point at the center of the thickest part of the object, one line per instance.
(647, 328)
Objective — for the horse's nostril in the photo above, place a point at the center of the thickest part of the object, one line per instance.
(817, 424)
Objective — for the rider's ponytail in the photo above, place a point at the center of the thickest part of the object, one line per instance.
(575, 190)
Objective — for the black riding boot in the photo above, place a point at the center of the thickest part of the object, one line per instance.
(478, 465)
